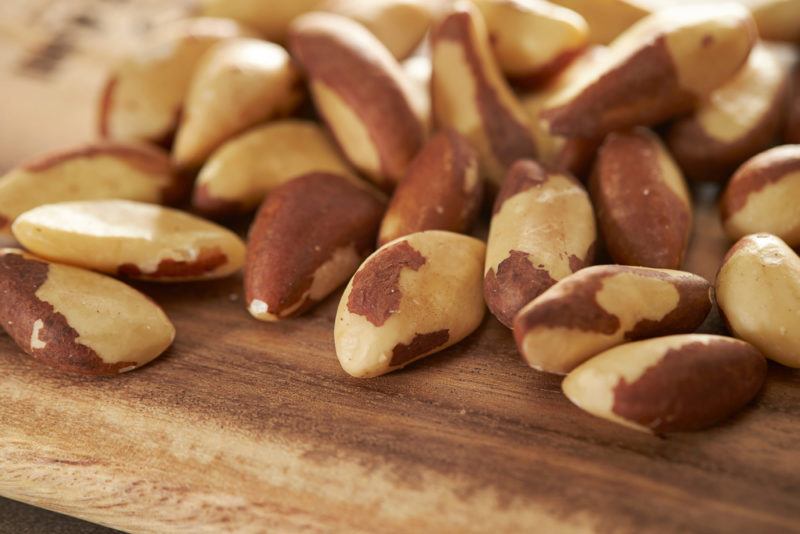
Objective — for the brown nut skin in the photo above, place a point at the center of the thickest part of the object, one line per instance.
(737, 121)
(603, 306)
(441, 190)
(93, 171)
(657, 69)
(791, 134)
(143, 97)
(362, 93)
(532, 40)
(642, 202)
(237, 84)
(607, 19)
(470, 95)
(78, 321)
(763, 196)
(309, 237)
(758, 293)
(669, 384)
(776, 19)
(542, 230)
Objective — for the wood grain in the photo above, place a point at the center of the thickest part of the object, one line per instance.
(252, 427)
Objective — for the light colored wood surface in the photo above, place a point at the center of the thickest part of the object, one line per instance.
(249, 427)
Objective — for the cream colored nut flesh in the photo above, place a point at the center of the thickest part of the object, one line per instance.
(758, 291)
(607, 19)
(132, 239)
(95, 171)
(762, 196)
(657, 69)
(237, 176)
(414, 296)
(470, 95)
(668, 384)
(238, 83)
(78, 321)
(532, 39)
(144, 95)
(272, 21)
(603, 306)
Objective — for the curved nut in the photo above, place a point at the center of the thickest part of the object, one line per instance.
(470, 95)
(763, 196)
(272, 22)
(542, 230)
(399, 24)
(600, 307)
(412, 297)
(100, 170)
(238, 83)
(607, 19)
(132, 239)
(144, 95)
(418, 70)
(78, 321)
(441, 190)
(758, 291)
(737, 121)
(657, 69)
(236, 177)
(291, 264)
(643, 205)
(362, 93)
(532, 40)
(669, 384)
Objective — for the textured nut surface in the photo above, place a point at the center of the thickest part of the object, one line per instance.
(361, 92)
(130, 238)
(532, 39)
(238, 83)
(101, 170)
(309, 237)
(441, 190)
(144, 95)
(470, 95)
(763, 196)
(272, 21)
(643, 205)
(238, 175)
(399, 24)
(78, 321)
(657, 69)
(758, 291)
(542, 230)
(607, 18)
(669, 384)
(603, 306)
(412, 297)
(737, 121)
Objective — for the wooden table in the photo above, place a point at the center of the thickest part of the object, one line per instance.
(245, 426)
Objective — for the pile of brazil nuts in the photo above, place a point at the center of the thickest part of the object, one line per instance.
(373, 141)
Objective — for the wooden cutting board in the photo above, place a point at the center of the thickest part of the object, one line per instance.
(248, 427)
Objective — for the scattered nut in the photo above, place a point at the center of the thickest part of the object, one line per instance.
(607, 19)
(143, 98)
(441, 190)
(412, 297)
(657, 69)
(361, 92)
(532, 40)
(643, 205)
(737, 121)
(758, 291)
(542, 230)
(130, 238)
(100, 170)
(470, 95)
(272, 21)
(78, 321)
(600, 307)
(669, 384)
(236, 177)
(291, 264)
(237, 84)
(763, 196)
